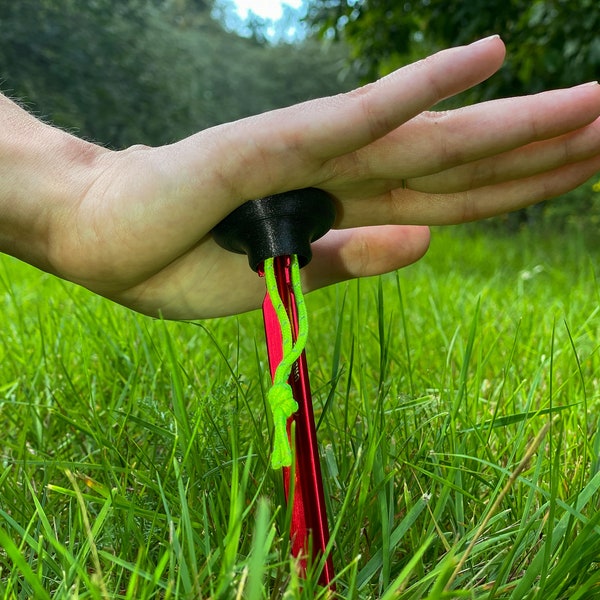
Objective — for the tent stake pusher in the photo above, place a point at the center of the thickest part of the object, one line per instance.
(279, 227)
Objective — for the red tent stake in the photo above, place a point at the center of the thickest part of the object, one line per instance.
(309, 531)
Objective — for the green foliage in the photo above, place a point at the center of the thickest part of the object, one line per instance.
(87, 66)
(551, 43)
(136, 71)
(135, 453)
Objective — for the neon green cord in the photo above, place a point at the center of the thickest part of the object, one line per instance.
(280, 396)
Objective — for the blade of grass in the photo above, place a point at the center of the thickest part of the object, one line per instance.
(15, 555)
(376, 562)
(498, 501)
(401, 580)
(262, 539)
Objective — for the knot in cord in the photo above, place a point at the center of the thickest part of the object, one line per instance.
(283, 406)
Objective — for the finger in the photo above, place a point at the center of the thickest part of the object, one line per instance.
(506, 197)
(490, 128)
(364, 251)
(333, 126)
(284, 149)
(404, 206)
(434, 142)
(524, 162)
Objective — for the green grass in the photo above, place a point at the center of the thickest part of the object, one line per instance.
(134, 455)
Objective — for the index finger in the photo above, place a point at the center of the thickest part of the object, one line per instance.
(284, 149)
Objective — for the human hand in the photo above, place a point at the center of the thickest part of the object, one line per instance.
(138, 231)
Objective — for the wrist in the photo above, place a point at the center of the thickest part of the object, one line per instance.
(43, 173)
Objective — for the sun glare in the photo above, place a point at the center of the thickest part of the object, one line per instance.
(269, 9)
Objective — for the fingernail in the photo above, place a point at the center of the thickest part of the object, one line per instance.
(487, 39)
(588, 84)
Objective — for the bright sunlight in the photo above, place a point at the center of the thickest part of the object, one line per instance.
(269, 9)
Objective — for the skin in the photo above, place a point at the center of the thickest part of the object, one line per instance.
(134, 225)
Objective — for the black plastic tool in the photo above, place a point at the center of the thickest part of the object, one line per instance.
(278, 225)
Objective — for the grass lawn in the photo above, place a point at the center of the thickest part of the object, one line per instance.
(458, 404)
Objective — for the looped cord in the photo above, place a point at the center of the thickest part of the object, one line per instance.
(280, 396)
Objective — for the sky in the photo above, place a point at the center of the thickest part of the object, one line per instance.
(269, 9)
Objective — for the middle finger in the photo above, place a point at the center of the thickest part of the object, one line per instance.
(435, 142)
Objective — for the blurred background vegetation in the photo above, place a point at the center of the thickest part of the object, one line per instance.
(121, 72)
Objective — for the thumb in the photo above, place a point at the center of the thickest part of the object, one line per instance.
(364, 251)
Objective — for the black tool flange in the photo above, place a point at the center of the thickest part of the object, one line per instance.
(278, 225)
